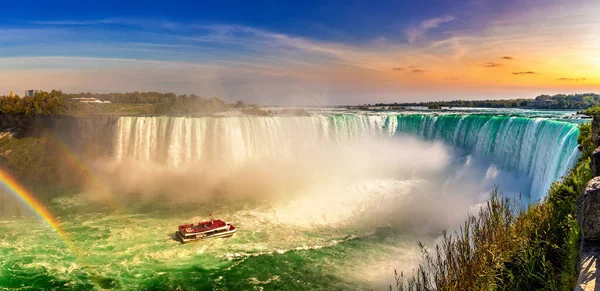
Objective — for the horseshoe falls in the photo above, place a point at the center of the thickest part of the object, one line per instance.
(335, 200)
(539, 148)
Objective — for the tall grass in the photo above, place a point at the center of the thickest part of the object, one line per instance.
(508, 247)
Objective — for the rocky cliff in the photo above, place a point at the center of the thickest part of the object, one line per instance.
(51, 153)
(588, 217)
(89, 136)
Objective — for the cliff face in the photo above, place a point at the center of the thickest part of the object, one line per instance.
(52, 153)
(591, 195)
(596, 130)
(588, 217)
(89, 136)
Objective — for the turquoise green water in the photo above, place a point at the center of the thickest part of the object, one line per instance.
(541, 149)
(136, 250)
(351, 238)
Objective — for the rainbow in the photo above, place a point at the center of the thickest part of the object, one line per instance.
(26, 198)
(38, 208)
(71, 159)
(32, 203)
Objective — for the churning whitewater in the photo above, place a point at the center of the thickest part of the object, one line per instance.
(326, 201)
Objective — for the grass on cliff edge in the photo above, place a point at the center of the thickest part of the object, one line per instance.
(507, 247)
(113, 109)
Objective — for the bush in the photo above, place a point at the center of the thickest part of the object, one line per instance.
(508, 247)
(255, 110)
(42, 103)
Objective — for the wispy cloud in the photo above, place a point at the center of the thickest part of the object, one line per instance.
(435, 22)
(140, 22)
(412, 34)
(507, 58)
(525, 73)
(405, 68)
(490, 65)
(380, 41)
(418, 71)
(411, 70)
(77, 22)
(96, 60)
(571, 79)
(287, 45)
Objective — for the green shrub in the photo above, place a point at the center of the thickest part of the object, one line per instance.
(508, 247)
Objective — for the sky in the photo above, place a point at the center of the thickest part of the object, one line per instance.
(303, 52)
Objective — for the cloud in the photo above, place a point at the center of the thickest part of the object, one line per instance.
(405, 68)
(77, 22)
(144, 23)
(452, 78)
(288, 45)
(380, 41)
(507, 58)
(435, 22)
(571, 79)
(412, 34)
(490, 65)
(525, 73)
(410, 70)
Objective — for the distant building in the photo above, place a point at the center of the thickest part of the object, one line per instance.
(31, 93)
(89, 100)
(12, 94)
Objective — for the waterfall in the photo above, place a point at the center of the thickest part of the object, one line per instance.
(542, 149)
(232, 140)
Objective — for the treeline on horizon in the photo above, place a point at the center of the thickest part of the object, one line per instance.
(168, 103)
(56, 102)
(42, 103)
(559, 101)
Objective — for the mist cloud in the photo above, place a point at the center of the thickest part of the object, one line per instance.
(377, 182)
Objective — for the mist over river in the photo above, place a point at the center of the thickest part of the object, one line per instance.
(334, 200)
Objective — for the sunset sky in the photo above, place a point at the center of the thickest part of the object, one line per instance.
(304, 52)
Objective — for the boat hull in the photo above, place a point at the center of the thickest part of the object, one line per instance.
(185, 239)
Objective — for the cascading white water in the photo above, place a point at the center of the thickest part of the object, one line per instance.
(541, 149)
(229, 141)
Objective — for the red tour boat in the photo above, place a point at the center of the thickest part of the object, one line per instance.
(204, 230)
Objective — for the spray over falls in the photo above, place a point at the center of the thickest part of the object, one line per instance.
(540, 149)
